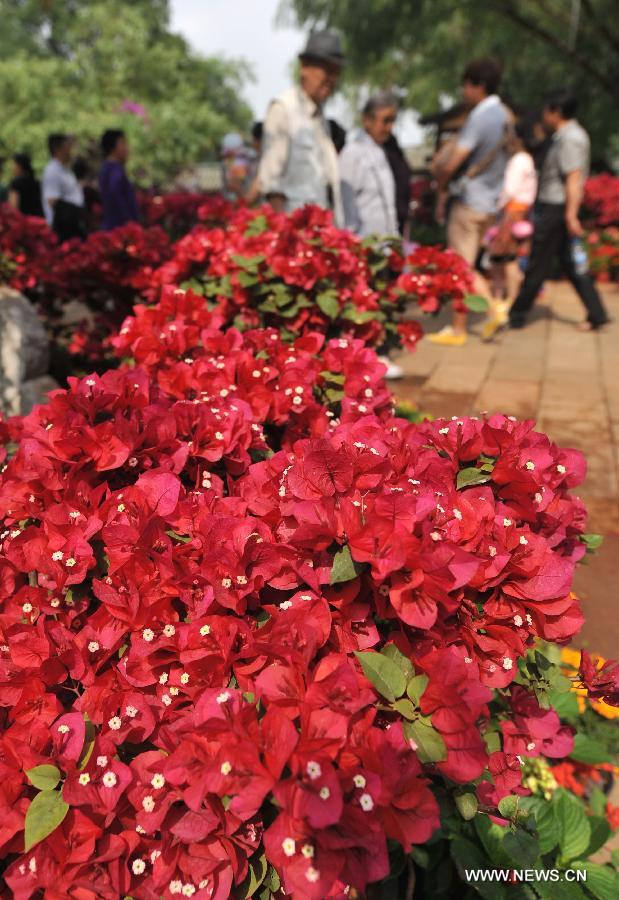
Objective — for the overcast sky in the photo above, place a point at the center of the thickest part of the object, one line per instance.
(246, 29)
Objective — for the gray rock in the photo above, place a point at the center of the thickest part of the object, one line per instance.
(24, 351)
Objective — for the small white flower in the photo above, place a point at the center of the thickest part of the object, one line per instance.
(366, 802)
(457, 514)
(121, 507)
(132, 461)
(163, 678)
(368, 392)
(362, 408)
(185, 678)
(74, 514)
(115, 723)
(27, 608)
(102, 761)
(166, 699)
(148, 635)
(70, 562)
(188, 890)
(289, 846)
(32, 865)
(93, 646)
(174, 691)
(131, 711)
(444, 430)
(154, 856)
(529, 619)
(507, 522)
(57, 556)
(538, 498)
(90, 382)
(206, 629)
(219, 436)
(297, 401)
(55, 602)
(531, 745)
(359, 781)
(324, 793)
(63, 729)
(529, 465)
(138, 866)
(84, 779)
(286, 604)
(561, 469)
(435, 535)
(508, 663)
(226, 582)
(256, 373)
(308, 851)
(148, 803)
(223, 697)
(226, 768)
(169, 630)
(492, 550)
(312, 875)
(314, 770)
(518, 621)
(241, 579)
(109, 779)
(467, 659)
(157, 780)
(175, 887)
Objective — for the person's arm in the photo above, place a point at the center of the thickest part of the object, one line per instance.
(52, 189)
(573, 197)
(446, 170)
(275, 150)
(13, 198)
(350, 169)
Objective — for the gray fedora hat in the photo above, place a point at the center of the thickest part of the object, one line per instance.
(325, 46)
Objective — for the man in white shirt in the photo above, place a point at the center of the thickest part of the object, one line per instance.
(59, 185)
(299, 162)
(368, 185)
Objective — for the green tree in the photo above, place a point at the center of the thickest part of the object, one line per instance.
(422, 46)
(70, 66)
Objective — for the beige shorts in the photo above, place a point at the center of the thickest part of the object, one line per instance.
(466, 229)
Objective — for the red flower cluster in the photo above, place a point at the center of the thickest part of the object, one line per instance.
(601, 200)
(24, 242)
(177, 212)
(250, 618)
(434, 277)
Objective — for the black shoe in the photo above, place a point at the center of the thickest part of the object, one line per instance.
(516, 323)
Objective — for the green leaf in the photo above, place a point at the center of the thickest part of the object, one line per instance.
(327, 301)
(44, 778)
(383, 674)
(545, 822)
(565, 705)
(405, 708)
(508, 806)
(246, 279)
(522, 848)
(430, 745)
(491, 836)
(333, 377)
(399, 658)
(360, 317)
(250, 263)
(415, 688)
(601, 881)
(600, 832)
(597, 802)
(476, 303)
(471, 476)
(344, 566)
(466, 805)
(492, 740)
(593, 541)
(588, 750)
(256, 226)
(574, 828)
(468, 855)
(254, 878)
(43, 816)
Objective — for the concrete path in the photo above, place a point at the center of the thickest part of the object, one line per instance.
(569, 383)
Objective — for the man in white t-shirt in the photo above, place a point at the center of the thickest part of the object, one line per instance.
(59, 185)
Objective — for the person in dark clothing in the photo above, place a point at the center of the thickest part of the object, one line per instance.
(402, 177)
(24, 189)
(338, 135)
(557, 228)
(117, 194)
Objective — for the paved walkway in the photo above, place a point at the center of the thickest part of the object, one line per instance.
(566, 380)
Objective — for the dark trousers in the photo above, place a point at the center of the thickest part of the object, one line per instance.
(552, 239)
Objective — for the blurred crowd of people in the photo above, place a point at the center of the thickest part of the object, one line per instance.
(66, 196)
(508, 186)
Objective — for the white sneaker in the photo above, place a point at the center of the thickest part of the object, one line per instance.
(394, 372)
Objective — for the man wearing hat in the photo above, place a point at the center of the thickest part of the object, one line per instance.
(299, 162)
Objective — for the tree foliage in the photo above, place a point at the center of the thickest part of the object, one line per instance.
(422, 46)
(72, 65)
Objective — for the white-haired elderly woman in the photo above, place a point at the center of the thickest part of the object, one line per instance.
(368, 186)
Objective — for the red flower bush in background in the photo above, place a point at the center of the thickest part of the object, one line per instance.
(601, 200)
(177, 212)
(24, 242)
